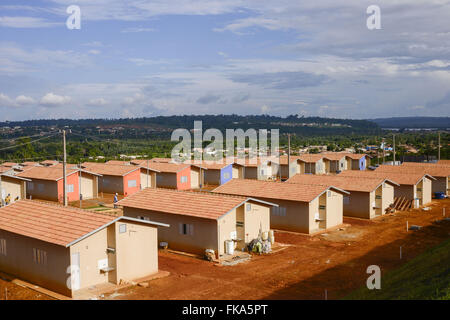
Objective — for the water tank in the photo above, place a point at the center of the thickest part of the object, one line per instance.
(229, 247)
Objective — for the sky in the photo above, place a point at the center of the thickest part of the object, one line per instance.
(137, 58)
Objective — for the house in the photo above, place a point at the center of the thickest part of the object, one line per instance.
(9, 164)
(47, 183)
(6, 170)
(177, 176)
(217, 173)
(121, 179)
(311, 163)
(368, 198)
(119, 162)
(439, 172)
(413, 186)
(290, 167)
(82, 250)
(335, 162)
(259, 168)
(14, 186)
(200, 221)
(356, 161)
(444, 162)
(302, 208)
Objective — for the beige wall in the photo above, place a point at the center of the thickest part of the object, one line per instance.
(238, 172)
(195, 177)
(150, 177)
(88, 185)
(204, 230)
(14, 187)
(136, 250)
(427, 190)
(136, 253)
(19, 262)
(388, 196)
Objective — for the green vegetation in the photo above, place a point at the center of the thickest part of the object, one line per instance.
(424, 277)
(150, 137)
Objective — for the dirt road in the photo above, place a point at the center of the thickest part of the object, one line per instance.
(304, 267)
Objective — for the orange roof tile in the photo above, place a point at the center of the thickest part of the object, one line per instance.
(195, 204)
(444, 162)
(400, 178)
(119, 162)
(435, 171)
(273, 190)
(163, 167)
(311, 158)
(9, 164)
(108, 169)
(29, 163)
(50, 223)
(342, 182)
(45, 173)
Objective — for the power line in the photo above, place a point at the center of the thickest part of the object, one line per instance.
(23, 144)
(36, 135)
(33, 158)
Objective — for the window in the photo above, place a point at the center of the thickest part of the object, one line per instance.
(321, 207)
(41, 187)
(329, 193)
(293, 170)
(186, 229)
(159, 178)
(377, 197)
(342, 165)
(39, 256)
(262, 172)
(279, 211)
(226, 175)
(3, 247)
(184, 179)
(239, 224)
(70, 188)
(346, 200)
(30, 186)
(249, 207)
(122, 228)
(132, 183)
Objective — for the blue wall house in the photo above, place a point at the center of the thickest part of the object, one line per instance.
(217, 174)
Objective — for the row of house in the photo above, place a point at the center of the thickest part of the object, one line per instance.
(94, 248)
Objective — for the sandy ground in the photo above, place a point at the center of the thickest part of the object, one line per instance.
(302, 267)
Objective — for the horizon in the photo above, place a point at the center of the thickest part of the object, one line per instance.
(134, 59)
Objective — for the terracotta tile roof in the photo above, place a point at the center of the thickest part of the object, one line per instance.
(4, 169)
(50, 223)
(284, 159)
(195, 204)
(444, 162)
(29, 163)
(400, 178)
(311, 158)
(435, 171)
(355, 156)
(119, 162)
(210, 165)
(50, 162)
(163, 167)
(166, 160)
(334, 156)
(13, 177)
(108, 169)
(273, 190)
(9, 164)
(342, 182)
(45, 173)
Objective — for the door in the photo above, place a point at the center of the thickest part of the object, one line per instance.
(75, 271)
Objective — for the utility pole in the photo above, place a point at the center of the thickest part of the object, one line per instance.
(393, 137)
(439, 146)
(384, 151)
(64, 170)
(147, 175)
(289, 156)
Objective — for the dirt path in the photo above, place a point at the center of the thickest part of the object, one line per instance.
(306, 266)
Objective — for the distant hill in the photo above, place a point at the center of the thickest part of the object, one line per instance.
(308, 126)
(413, 122)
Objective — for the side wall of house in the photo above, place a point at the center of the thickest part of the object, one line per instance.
(19, 261)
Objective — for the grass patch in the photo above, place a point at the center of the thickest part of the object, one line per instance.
(423, 278)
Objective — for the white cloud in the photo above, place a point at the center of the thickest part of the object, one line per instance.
(53, 100)
(5, 101)
(95, 52)
(136, 30)
(24, 100)
(97, 102)
(27, 22)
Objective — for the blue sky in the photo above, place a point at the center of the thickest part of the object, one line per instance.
(144, 58)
